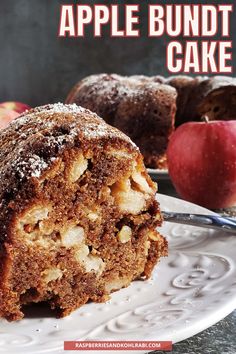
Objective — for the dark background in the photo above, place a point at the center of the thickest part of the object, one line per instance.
(37, 67)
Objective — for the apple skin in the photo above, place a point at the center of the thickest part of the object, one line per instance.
(15, 106)
(202, 163)
(6, 116)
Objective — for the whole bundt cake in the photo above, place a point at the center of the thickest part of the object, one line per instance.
(148, 108)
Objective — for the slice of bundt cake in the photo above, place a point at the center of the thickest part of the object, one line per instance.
(78, 213)
(141, 107)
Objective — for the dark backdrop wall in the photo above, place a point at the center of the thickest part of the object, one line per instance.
(37, 67)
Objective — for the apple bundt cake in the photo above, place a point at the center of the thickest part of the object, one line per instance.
(149, 108)
(78, 211)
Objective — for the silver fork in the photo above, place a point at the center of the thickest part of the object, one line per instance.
(216, 222)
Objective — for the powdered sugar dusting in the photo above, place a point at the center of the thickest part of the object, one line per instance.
(93, 128)
(32, 167)
(62, 108)
(112, 87)
(40, 134)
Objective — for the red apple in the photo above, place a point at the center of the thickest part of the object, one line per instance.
(15, 106)
(6, 116)
(202, 162)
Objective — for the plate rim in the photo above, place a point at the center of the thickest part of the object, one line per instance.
(219, 313)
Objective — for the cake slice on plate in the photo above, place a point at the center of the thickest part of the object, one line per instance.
(78, 211)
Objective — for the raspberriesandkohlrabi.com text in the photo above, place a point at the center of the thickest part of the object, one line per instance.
(198, 24)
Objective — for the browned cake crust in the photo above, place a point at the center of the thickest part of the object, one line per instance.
(213, 97)
(78, 214)
(141, 107)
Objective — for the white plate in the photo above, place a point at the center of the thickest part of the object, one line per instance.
(159, 174)
(190, 290)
